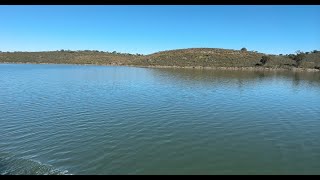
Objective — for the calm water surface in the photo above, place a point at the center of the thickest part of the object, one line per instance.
(68, 119)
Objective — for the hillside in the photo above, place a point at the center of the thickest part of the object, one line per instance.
(205, 57)
(68, 57)
(211, 57)
(200, 57)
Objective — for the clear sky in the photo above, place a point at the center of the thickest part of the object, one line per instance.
(147, 29)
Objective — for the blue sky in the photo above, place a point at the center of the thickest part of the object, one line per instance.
(147, 29)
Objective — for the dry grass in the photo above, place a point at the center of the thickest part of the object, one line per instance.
(203, 57)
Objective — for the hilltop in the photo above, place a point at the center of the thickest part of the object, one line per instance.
(192, 57)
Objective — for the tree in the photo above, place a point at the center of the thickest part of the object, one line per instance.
(243, 49)
(298, 58)
(291, 56)
(265, 59)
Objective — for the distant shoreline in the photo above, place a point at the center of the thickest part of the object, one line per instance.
(186, 67)
(237, 68)
(191, 58)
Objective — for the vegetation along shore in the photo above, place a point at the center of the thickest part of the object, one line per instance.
(207, 58)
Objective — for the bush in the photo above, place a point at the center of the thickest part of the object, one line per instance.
(291, 56)
(265, 59)
(298, 58)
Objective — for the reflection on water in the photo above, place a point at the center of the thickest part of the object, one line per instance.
(207, 75)
(57, 119)
(240, 78)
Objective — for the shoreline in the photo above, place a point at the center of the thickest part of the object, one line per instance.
(235, 68)
(293, 69)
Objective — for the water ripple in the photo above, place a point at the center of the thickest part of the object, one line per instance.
(121, 120)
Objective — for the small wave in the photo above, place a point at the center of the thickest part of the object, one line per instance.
(12, 165)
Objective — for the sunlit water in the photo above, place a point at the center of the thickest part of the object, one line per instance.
(68, 119)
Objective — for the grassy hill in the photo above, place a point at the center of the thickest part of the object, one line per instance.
(205, 57)
(68, 57)
(200, 57)
(211, 57)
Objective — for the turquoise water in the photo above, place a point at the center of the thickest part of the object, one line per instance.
(69, 119)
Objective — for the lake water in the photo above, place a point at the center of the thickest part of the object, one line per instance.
(69, 119)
